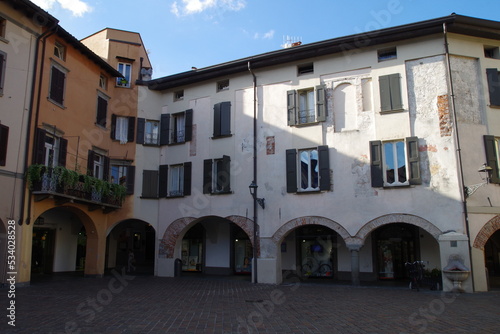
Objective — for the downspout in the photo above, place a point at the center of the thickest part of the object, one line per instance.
(459, 150)
(255, 253)
(43, 37)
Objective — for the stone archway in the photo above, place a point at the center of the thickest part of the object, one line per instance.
(486, 232)
(398, 218)
(177, 227)
(309, 220)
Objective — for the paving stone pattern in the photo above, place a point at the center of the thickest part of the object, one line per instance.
(146, 304)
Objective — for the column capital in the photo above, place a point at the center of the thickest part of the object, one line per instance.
(354, 243)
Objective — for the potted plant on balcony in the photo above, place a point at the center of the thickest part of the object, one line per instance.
(34, 175)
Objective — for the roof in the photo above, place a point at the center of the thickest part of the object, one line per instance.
(454, 23)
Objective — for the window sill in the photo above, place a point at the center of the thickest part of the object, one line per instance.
(56, 103)
(402, 186)
(303, 125)
(2, 39)
(222, 193)
(100, 126)
(221, 136)
(305, 192)
(149, 197)
(179, 143)
(175, 196)
(383, 112)
(151, 144)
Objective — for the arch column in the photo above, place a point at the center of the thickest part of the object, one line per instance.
(269, 267)
(354, 245)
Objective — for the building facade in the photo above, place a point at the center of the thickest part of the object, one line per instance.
(363, 148)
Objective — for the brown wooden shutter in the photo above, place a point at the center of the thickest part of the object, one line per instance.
(130, 179)
(324, 167)
(63, 150)
(188, 125)
(141, 125)
(165, 129)
(163, 181)
(4, 140)
(376, 164)
(207, 176)
(187, 178)
(493, 86)
(291, 171)
(39, 147)
(491, 157)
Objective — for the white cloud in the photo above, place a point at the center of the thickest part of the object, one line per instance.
(188, 7)
(267, 35)
(76, 7)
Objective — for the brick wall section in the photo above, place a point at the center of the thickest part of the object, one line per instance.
(444, 115)
(486, 232)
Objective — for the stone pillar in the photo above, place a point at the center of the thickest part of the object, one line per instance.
(354, 245)
(268, 266)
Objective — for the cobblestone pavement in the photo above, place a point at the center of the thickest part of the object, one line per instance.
(145, 304)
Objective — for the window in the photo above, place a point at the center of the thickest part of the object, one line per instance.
(306, 106)
(387, 54)
(122, 173)
(179, 95)
(122, 128)
(492, 148)
(395, 163)
(308, 169)
(491, 52)
(390, 93)
(126, 70)
(102, 111)
(149, 184)
(57, 83)
(4, 139)
(3, 61)
(103, 82)
(223, 85)
(176, 128)
(50, 149)
(98, 165)
(217, 176)
(305, 69)
(59, 51)
(175, 180)
(493, 86)
(222, 119)
(151, 133)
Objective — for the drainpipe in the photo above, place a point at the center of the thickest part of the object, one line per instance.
(459, 149)
(254, 265)
(42, 38)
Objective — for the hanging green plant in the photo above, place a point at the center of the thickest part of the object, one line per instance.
(34, 174)
(118, 191)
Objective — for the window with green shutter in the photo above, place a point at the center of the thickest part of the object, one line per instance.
(493, 86)
(395, 163)
(390, 93)
(217, 176)
(306, 106)
(492, 146)
(308, 170)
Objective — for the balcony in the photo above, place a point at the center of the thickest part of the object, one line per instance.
(66, 186)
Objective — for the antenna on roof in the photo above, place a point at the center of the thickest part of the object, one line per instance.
(290, 42)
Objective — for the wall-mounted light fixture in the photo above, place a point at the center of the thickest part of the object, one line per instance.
(253, 188)
(485, 170)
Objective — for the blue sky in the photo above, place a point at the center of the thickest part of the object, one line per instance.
(179, 34)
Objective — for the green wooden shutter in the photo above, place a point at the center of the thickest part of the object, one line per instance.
(291, 101)
(4, 140)
(131, 129)
(112, 133)
(187, 178)
(90, 163)
(376, 165)
(141, 126)
(385, 93)
(291, 171)
(130, 180)
(321, 110)
(491, 158)
(396, 99)
(163, 181)
(188, 125)
(217, 119)
(493, 86)
(225, 119)
(225, 174)
(324, 167)
(413, 156)
(39, 147)
(207, 176)
(164, 129)
(150, 184)
(63, 149)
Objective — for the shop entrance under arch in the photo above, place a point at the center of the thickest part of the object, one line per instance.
(59, 242)
(216, 246)
(131, 245)
(492, 260)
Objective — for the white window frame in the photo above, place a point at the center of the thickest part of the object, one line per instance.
(176, 180)
(121, 129)
(60, 51)
(306, 106)
(118, 173)
(126, 70)
(98, 166)
(151, 132)
(395, 155)
(51, 150)
(178, 128)
(308, 155)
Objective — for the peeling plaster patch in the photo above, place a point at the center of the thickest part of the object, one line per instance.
(270, 145)
(362, 185)
(466, 91)
(444, 115)
(192, 143)
(430, 148)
